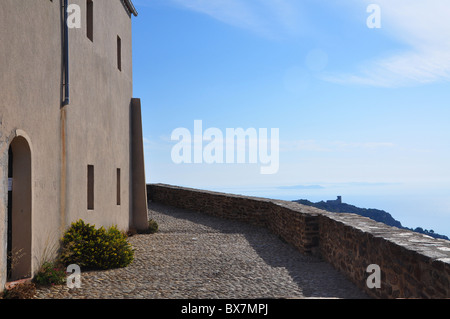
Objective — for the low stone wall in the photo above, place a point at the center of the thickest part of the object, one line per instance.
(296, 225)
(411, 265)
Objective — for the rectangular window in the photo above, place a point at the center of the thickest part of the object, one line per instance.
(119, 53)
(118, 186)
(90, 20)
(90, 187)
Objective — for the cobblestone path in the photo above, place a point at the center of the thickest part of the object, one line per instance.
(199, 256)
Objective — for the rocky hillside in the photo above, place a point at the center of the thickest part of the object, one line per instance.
(337, 206)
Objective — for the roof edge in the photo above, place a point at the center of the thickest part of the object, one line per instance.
(131, 7)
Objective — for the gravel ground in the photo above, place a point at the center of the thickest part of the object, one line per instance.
(196, 256)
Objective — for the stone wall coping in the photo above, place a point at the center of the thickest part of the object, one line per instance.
(196, 190)
(282, 203)
(433, 248)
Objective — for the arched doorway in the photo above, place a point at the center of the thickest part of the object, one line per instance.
(19, 210)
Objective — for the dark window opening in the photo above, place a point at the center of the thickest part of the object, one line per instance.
(90, 187)
(119, 53)
(118, 186)
(90, 20)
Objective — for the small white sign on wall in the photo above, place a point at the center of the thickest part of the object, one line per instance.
(10, 182)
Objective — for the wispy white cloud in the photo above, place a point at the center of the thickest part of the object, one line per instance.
(303, 145)
(363, 145)
(421, 25)
(331, 146)
(269, 18)
(405, 69)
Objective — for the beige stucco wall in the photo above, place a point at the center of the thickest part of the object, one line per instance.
(30, 80)
(98, 117)
(94, 129)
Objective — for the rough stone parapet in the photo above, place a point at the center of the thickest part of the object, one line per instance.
(296, 224)
(412, 265)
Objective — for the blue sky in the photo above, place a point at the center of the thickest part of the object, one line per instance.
(352, 104)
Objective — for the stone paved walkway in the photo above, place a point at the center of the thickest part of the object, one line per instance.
(199, 256)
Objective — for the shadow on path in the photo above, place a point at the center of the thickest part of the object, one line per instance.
(313, 277)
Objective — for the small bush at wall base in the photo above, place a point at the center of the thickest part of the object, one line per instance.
(152, 227)
(93, 248)
(50, 274)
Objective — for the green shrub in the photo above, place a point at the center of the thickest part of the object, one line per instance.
(93, 248)
(152, 227)
(50, 274)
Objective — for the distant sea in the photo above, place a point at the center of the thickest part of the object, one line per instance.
(412, 205)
